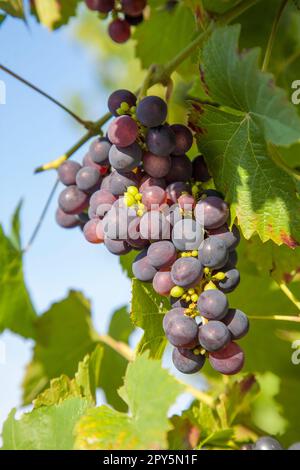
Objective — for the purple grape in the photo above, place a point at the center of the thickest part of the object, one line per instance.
(212, 192)
(181, 169)
(151, 111)
(125, 159)
(104, 6)
(93, 231)
(230, 282)
(213, 304)
(116, 222)
(134, 20)
(183, 139)
(186, 361)
(118, 97)
(88, 179)
(213, 253)
(154, 226)
(162, 254)
(148, 181)
(142, 268)
(212, 211)
(178, 303)
(73, 201)
(187, 235)
(99, 150)
(230, 237)
(133, 7)
(67, 172)
(118, 183)
(214, 336)
(175, 190)
(156, 166)
(162, 282)
(229, 360)
(134, 238)
(237, 323)
(123, 131)
(232, 261)
(101, 202)
(182, 332)
(119, 31)
(117, 247)
(66, 220)
(153, 197)
(161, 140)
(186, 272)
(200, 170)
(172, 315)
(267, 443)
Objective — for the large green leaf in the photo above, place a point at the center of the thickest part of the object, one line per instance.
(149, 391)
(45, 428)
(16, 309)
(13, 7)
(55, 13)
(64, 336)
(165, 34)
(234, 140)
(120, 329)
(147, 311)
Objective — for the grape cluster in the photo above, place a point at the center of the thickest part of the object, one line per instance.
(124, 14)
(269, 443)
(138, 190)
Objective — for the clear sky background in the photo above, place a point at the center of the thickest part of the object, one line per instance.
(32, 131)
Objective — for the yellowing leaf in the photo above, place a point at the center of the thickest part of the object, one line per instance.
(149, 391)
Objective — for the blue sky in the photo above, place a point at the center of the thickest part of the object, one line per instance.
(32, 131)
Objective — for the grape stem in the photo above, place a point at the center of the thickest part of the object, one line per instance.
(41, 217)
(125, 351)
(272, 37)
(289, 295)
(86, 124)
(295, 318)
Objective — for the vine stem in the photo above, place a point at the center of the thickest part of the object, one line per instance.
(290, 295)
(121, 348)
(272, 37)
(43, 93)
(292, 318)
(125, 351)
(41, 217)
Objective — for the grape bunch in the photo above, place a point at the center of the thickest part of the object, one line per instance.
(269, 443)
(124, 14)
(138, 190)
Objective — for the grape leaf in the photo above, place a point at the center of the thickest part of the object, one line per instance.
(165, 34)
(55, 13)
(147, 311)
(83, 385)
(149, 391)
(2, 18)
(219, 6)
(280, 261)
(13, 7)
(234, 140)
(120, 329)
(64, 336)
(45, 428)
(126, 263)
(16, 310)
